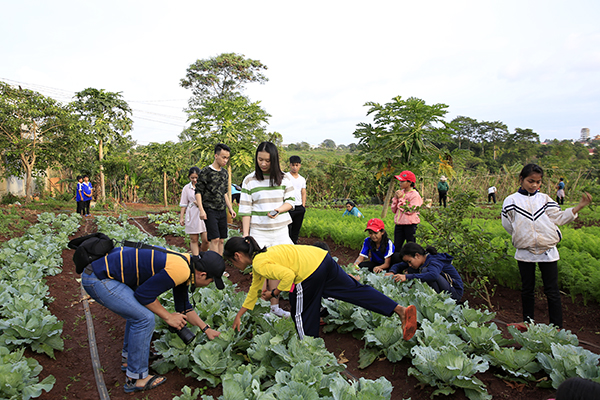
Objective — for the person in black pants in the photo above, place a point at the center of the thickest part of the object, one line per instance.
(299, 183)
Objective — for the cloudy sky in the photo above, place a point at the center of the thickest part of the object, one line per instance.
(530, 64)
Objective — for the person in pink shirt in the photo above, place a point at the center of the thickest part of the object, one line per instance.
(405, 206)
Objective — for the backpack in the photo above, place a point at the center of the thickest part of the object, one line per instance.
(89, 248)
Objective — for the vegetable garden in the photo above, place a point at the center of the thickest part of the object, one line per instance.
(465, 351)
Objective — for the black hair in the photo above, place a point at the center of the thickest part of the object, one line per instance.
(321, 245)
(79, 177)
(194, 170)
(351, 203)
(531, 169)
(275, 174)
(384, 240)
(561, 179)
(295, 160)
(246, 245)
(85, 176)
(577, 388)
(412, 249)
(221, 146)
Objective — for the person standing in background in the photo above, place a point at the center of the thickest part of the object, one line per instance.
(79, 195)
(87, 195)
(443, 190)
(212, 198)
(492, 193)
(405, 206)
(299, 183)
(560, 192)
(189, 215)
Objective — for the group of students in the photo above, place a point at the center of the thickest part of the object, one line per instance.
(128, 281)
(83, 195)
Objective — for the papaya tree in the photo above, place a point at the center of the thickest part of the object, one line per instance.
(106, 119)
(402, 133)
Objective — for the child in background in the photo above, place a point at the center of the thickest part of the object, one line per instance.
(531, 218)
(315, 275)
(267, 196)
(190, 214)
(560, 192)
(406, 218)
(87, 195)
(378, 246)
(352, 210)
(429, 266)
(79, 195)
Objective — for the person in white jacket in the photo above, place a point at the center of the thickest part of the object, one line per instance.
(531, 217)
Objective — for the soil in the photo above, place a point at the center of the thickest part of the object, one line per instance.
(72, 367)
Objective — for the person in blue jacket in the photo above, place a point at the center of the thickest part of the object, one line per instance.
(352, 210)
(87, 194)
(79, 195)
(429, 266)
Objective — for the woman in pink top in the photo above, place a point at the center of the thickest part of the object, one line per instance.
(405, 207)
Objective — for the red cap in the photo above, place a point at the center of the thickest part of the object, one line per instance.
(375, 224)
(407, 176)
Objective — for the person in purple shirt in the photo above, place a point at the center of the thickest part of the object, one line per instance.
(429, 266)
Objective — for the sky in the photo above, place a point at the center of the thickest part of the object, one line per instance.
(529, 64)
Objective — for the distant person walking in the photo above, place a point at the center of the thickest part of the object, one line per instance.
(299, 182)
(560, 192)
(531, 218)
(492, 194)
(443, 188)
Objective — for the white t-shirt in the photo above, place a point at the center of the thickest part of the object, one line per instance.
(299, 184)
(492, 189)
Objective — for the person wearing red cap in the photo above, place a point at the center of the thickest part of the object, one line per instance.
(405, 207)
(378, 245)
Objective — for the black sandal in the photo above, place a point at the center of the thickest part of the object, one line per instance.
(130, 386)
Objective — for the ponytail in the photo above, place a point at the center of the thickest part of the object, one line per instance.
(238, 244)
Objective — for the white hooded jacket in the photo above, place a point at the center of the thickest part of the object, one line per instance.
(532, 219)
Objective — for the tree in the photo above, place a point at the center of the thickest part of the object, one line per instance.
(402, 133)
(218, 110)
(106, 118)
(221, 76)
(463, 129)
(166, 160)
(35, 132)
(328, 144)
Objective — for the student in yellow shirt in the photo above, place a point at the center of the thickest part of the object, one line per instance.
(309, 274)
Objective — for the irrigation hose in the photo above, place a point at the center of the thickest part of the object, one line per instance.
(102, 391)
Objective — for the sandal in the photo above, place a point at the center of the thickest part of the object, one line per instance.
(123, 364)
(130, 386)
(410, 324)
(519, 325)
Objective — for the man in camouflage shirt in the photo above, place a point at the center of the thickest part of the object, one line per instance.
(211, 197)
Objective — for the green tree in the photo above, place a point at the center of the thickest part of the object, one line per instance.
(400, 136)
(106, 118)
(463, 130)
(328, 144)
(35, 133)
(164, 160)
(220, 113)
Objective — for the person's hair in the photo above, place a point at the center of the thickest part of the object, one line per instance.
(85, 176)
(238, 244)
(321, 245)
(275, 174)
(531, 169)
(351, 203)
(194, 170)
(384, 240)
(79, 177)
(221, 146)
(561, 179)
(412, 249)
(577, 388)
(295, 160)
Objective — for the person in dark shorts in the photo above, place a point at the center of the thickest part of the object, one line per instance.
(212, 198)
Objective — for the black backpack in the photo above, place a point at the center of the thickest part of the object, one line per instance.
(89, 248)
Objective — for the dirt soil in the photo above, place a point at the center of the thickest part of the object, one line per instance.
(75, 379)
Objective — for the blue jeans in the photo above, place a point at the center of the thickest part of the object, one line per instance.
(119, 298)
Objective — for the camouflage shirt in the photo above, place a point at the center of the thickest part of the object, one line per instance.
(212, 185)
